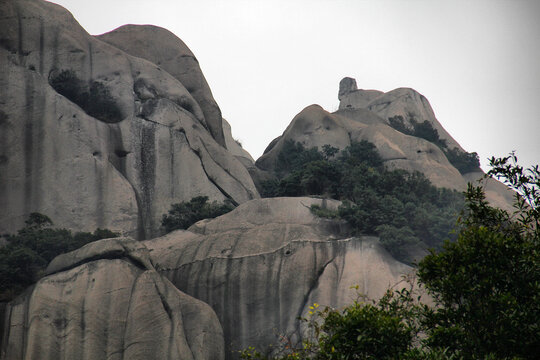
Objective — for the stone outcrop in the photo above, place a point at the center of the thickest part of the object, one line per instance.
(314, 126)
(235, 147)
(263, 264)
(164, 49)
(106, 301)
(404, 102)
(363, 115)
(167, 146)
(224, 284)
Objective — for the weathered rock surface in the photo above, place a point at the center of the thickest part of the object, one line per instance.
(83, 172)
(403, 102)
(235, 148)
(363, 115)
(314, 126)
(106, 301)
(164, 49)
(263, 264)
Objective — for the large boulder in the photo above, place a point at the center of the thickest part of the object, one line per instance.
(107, 301)
(164, 145)
(263, 264)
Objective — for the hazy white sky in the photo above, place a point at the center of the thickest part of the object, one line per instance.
(477, 62)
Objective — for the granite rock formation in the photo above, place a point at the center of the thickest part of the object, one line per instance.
(314, 126)
(106, 301)
(166, 145)
(263, 264)
(363, 115)
(224, 284)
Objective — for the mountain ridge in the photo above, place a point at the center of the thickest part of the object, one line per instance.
(241, 277)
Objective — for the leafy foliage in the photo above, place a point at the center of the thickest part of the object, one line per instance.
(96, 100)
(403, 209)
(28, 252)
(485, 285)
(185, 214)
(463, 161)
(424, 130)
(386, 329)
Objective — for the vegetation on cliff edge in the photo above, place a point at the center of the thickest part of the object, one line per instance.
(485, 286)
(27, 253)
(463, 161)
(185, 214)
(403, 209)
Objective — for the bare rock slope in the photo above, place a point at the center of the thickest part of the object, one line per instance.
(165, 144)
(263, 264)
(106, 301)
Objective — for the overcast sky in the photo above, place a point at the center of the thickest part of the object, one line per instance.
(477, 62)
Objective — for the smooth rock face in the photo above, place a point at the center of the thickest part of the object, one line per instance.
(164, 49)
(263, 264)
(106, 301)
(85, 173)
(234, 147)
(403, 102)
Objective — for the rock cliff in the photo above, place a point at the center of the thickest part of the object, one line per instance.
(106, 301)
(363, 115)
(263, 264)
(165, 144)
(224, 284)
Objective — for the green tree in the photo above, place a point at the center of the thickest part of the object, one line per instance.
(28, 252)
(486, 288)
(487, 283)
(405, 210)
(185, 214)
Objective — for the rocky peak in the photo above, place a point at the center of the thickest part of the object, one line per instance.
(346, 86)
(159, 142)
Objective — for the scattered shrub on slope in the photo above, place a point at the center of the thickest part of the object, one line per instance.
(185, 214)
(485, 285)
(463, 161)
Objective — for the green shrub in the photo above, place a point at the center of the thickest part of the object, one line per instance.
(485, 287)
(185, 214)
(487, 283)
(96, 100)
(403, 209)
(101, 105)
(29, 251)
(463, 161)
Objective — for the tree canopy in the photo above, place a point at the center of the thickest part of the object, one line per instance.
(402, 208)
(485, 286)
(183, 215)
(28, 252)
